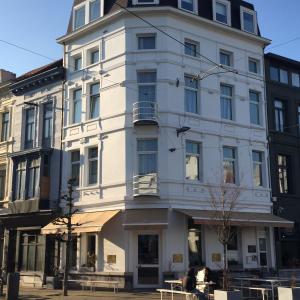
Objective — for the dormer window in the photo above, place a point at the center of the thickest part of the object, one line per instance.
(86, 12)
(222, 11)
(94, 10)
(79, 17)
(248, 20)
(189, 5)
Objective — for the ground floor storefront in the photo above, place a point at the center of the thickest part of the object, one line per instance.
(141, 248)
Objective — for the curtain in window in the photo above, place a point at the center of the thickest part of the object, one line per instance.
(192, 167)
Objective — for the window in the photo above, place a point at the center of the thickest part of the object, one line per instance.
(226, 102)
(33, 178)
(75, 166)
(94, 56)
(73, 254)
(190, 5)
(31, 252)
(257, 168)
(221, 12)
(226, 58)
(191, 94)
(91, 251)
(147, 86)
(47, 124)
(233, 243)
(279, 115)
(77, 63)
(229, 165)
(296, 79)
(77, 106)
(253, 65)
(20, 180)
(283, 176)
(94, 10)
(190, 48)
(254, 108)
(147, 156)
(79, 17)
(93, 165)
(29, 127)
(5, 126)
(248, 20)
(2, 183)
(263, 261)
(280, 75)
(94, 100)
(192, 161)
(146, 42)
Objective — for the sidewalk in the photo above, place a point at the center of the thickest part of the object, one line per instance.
(45, 294)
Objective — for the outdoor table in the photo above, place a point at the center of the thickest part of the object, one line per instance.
(176, 283)
(273, 282)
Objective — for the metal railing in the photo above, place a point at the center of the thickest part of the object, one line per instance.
(145, 112)
(145, 185)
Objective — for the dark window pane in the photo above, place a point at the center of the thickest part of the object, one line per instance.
(94, 10)
(146, 42)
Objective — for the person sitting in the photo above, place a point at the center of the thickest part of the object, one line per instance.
(189, 284)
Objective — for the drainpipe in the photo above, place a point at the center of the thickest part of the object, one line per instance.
(61, 133)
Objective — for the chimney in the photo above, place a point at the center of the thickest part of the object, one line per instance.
(6, 76)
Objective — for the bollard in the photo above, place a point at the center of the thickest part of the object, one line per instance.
(13, 282)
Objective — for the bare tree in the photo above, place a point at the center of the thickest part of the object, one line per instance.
(223, 201)
(65, 220)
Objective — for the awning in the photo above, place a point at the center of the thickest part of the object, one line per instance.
(88, 222)
(238, 218)
(146, 218)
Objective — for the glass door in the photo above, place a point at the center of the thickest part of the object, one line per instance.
(148, 260)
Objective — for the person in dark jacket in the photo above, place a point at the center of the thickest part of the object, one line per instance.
(189, 283)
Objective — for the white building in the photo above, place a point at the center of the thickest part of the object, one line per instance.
(143, 183)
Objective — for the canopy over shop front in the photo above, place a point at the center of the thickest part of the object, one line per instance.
(87, 222)
(146, 218)
(249, 219)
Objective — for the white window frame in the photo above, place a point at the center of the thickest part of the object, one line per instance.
(89, 10)
(252, 12)
(137, 2)
(72, 106)
(195, 7)
(87, 165)
(73, 58)
(200, 161)
(75, 163)
(86, 15)
(226, 52)
(141, 35)
(140, 152)
(258, 106)
(235, 162)
(88, 56)
(89, 100)
(232, 101)
(257, 61)
(196, 90)
(262, 164)
(228, 8)
(190, 41)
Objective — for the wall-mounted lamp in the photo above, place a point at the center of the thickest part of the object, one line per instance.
(182, 130)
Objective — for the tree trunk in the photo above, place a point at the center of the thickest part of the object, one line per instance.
(66, 272)
(225, 279)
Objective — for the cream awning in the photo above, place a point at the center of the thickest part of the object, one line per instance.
(88, 222)
(146, 218)
(239, 218)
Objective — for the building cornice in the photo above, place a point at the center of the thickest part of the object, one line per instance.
(162, 9)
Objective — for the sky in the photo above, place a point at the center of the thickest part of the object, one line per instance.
(36, 24)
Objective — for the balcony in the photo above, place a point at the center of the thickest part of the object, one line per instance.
(145, 185)
(145, 113)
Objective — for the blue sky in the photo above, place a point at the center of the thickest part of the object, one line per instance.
(35, 24)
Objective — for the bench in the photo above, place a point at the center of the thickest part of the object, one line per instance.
(264, 291)
(188, 296)
(93, 283)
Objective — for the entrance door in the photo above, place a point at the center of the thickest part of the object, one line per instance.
(148, 261)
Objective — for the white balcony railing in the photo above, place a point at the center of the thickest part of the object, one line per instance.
(145, 185)
(145, 112)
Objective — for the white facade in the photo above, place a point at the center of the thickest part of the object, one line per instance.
(115, 135)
